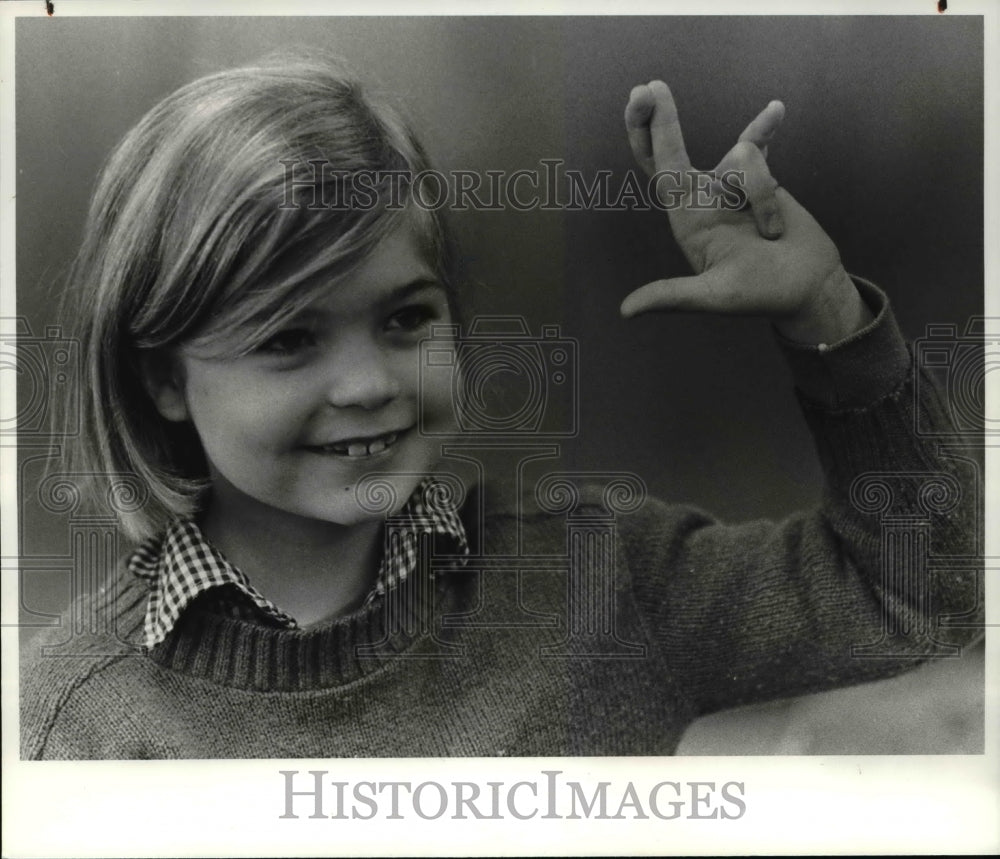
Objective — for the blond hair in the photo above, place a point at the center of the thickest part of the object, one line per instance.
(191, 233)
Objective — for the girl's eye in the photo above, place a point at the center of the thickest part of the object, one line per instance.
(414, 317)
(290, 342)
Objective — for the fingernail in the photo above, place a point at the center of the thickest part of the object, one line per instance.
(774, 225)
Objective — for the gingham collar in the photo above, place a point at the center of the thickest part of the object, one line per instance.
(183, 565)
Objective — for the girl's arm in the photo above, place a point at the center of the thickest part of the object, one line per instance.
(887, 572)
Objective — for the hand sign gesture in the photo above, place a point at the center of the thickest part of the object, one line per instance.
(772, 260)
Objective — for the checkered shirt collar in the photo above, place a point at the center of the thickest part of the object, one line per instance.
(182, 565)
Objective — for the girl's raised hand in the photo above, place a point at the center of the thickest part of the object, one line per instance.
(769, 259)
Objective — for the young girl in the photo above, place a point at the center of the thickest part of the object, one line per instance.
(311, 580)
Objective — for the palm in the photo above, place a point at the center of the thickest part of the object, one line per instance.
(741, 273)
(770, 259)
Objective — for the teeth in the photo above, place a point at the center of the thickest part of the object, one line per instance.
(362, 448)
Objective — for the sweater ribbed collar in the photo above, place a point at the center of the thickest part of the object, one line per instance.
(400, 621)
(182, 565)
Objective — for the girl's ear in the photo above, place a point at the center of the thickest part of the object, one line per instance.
(163, 378)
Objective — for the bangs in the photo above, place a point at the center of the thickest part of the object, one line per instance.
(278, 285)
(202, 232)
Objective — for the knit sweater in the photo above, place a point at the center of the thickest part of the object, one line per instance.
(594, 628)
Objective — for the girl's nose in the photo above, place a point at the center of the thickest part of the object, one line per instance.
(361, 374)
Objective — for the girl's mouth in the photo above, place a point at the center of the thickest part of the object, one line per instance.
(356, 448)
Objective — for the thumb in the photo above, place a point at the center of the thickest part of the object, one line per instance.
(697, 293)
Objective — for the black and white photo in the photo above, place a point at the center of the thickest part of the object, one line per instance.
(454, 389)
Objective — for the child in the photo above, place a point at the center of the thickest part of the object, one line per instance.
(255, 356)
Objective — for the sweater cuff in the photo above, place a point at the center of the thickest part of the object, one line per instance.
(859, 370)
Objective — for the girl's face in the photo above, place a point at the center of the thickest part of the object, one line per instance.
(333, 396)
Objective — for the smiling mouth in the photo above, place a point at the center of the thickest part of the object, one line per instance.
(357, 448)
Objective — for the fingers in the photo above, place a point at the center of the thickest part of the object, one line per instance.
(760, 131)
(693, 294)
(758, 184)
(654, 130)
(637, 114)
(654, 133)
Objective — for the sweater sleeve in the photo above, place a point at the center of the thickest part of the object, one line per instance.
(884, 575)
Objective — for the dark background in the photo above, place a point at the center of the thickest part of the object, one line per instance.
(882, 142)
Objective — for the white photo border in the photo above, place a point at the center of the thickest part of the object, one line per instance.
(842, 804)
